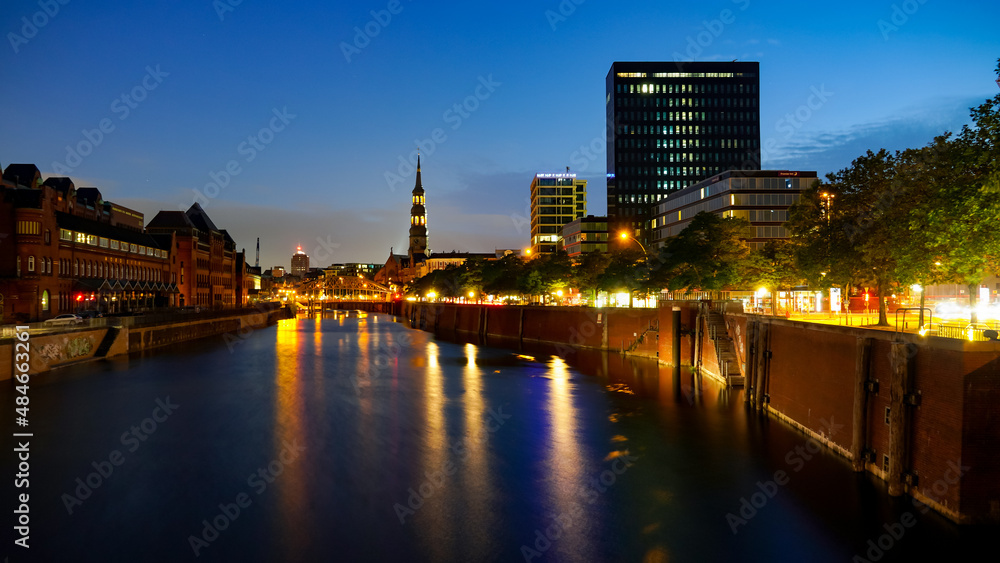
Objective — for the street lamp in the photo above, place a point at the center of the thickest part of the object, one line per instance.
(920, 322)
(827, 204)
(625, 236)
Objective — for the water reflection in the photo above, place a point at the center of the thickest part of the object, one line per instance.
(572, 417)
(286, 465)
(564, 465)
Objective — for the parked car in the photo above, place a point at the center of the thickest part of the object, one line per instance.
(66, 319)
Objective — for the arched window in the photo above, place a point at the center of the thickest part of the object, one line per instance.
(76, 267)
(31, 263)
(45, 301)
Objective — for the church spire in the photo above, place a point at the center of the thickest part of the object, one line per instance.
(418, 187)
(418, 219)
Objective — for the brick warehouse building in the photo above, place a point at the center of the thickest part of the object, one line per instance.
(209, 269)
(64, 250)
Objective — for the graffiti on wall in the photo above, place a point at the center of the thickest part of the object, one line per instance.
(65, 350)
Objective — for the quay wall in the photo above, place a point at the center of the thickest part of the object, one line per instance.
(920, 413)
(70, 345)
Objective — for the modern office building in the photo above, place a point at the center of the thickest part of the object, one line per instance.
(759, 196)
(300, 263)
(556, 199)
(673, 124)
(586, 234)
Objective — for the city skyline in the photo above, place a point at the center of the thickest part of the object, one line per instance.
(305, 116)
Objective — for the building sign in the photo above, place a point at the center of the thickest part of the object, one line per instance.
(835, 304)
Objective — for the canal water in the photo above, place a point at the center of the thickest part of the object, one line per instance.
(355, 438)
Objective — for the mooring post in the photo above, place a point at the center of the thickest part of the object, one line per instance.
(696, 349)
(898, 389)
(762, 360)
(677, 337)
(751, 362)
(861, 375)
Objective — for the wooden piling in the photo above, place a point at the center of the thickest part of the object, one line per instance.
(898, 389)
(862, 371)
(762, 359)
(751, 369)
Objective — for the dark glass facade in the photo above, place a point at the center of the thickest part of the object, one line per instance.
(673, 124)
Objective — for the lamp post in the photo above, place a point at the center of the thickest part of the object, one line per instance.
(626, 236)
(827, 204)
(918, 288)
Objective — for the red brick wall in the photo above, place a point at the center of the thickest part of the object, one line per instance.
(689, 312)
(811, 377)
(503, 321)
(625, 326)
(981, 430)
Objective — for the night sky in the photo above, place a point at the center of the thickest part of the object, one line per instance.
(315, 106)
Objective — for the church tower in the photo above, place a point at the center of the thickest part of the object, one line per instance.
(418, 222)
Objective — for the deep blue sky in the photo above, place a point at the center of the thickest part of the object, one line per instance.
(323, 175)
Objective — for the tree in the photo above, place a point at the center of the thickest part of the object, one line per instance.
(873, 218)
(586, 275)
(621, 274)
(707, 255)
(772, 267)
(965, 177)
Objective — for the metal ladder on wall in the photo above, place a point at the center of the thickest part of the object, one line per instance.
(725, 351)
(654, 327)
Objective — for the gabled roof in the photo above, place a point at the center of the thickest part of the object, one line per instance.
(200, 219)
(89, 196)
(22, 175)
(171, 220)
(61, 184)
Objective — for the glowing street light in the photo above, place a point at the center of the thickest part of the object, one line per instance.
(625, 236)
(920, 321)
